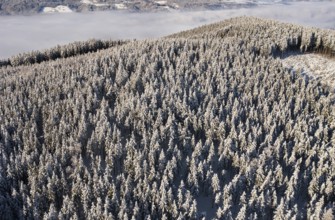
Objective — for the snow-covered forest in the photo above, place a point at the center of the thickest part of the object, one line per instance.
(16, 7)
(207, 123)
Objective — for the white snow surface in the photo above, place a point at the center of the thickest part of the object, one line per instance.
(314, 66)
(175, 5)
(86, 1)
(161, 3)
(93, 2)
(239, 1)
(58, 9)
(205, 207)
(121, 6)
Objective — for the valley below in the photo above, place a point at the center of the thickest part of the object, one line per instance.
(45, 30)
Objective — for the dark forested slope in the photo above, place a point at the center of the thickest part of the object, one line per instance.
(196, 124)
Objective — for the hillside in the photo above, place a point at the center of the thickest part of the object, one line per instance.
(23, 7)
(15, 7)
(205, 123)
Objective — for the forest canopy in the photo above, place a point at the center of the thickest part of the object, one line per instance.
(202, 123)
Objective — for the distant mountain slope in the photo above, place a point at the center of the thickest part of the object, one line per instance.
(15, 7)
(204, 123)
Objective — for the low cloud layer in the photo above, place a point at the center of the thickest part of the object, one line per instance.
(25, 33)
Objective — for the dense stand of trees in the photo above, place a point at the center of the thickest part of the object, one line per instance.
(156, 129)
(271, 38)
(69, 50)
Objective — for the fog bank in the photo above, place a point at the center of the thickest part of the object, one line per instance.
(26, 33)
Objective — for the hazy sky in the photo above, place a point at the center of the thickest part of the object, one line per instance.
(25, 33)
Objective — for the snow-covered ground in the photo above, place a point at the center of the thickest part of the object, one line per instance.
(240, 1)
(206, 207)
(175, 5)
(161, 3)
(166, 5)
(93, 2)
(314, 66)
(58, 9)
(120, 6)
